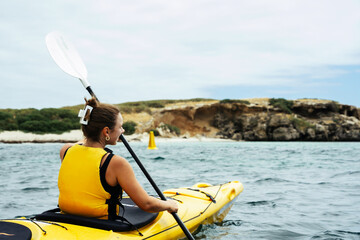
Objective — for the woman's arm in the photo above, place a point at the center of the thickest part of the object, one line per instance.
(124, 175)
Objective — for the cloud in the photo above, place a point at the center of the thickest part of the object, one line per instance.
(179, 49)
(236, 42)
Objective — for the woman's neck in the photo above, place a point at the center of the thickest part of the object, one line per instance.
(94, 144)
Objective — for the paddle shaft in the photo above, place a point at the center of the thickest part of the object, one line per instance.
(91, 92)
(153, 184)
(67, 58)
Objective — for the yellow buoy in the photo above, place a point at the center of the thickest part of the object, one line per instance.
(152, 141)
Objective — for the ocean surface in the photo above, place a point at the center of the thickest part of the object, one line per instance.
(292, 190)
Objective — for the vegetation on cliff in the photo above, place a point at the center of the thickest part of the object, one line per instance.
(47, 120)
(234, 101)
(130, 127)
(275, 119)
(59, 120)
(146, 106)
(283, 104)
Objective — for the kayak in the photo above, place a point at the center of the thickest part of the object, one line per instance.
(200, 204)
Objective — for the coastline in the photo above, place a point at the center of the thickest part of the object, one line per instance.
(22, 137)
(76, 135)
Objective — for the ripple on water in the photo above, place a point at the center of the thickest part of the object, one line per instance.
(261, 203)
(271, 180)
(337, 234)
(230, 223)
(283, 234)
(11, 205)
(35, 189)
(347, 173)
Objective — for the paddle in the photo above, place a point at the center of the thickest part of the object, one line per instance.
(68, 59)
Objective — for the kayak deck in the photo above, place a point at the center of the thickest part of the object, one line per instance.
(199, 204)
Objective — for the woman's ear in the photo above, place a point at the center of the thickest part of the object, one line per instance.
(106, 131)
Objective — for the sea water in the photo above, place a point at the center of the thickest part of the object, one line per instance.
(292, 190)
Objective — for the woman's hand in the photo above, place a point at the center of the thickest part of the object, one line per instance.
(173, 206)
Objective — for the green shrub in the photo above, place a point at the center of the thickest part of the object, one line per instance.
(129, 127)
(7, 121)
(58, 126)
(35, 126)
(47, 120)
(5, 116)
(31, 115)
(155, 105)
(8, 125)
(301, 124)
(125, 109)
(282, 103)
(141, 108)
(156, 132)
(235, 101)
(53, 113)
(173, 129)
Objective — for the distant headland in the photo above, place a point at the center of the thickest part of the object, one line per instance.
(257, 119)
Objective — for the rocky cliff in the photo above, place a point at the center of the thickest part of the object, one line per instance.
(258, 120)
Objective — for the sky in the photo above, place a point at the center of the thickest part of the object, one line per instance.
(160, 49)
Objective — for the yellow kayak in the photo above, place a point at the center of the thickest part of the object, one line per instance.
(199, 204)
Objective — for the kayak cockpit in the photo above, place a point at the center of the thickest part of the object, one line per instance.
(135, 218)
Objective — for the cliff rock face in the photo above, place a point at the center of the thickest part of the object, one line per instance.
(308, 121)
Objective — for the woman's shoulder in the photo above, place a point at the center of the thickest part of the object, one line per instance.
(67, 145)
(64, 149)
(118, 161)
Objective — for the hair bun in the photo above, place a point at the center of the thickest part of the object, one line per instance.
(91, 102)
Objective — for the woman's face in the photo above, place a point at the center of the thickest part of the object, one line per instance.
(116, 131)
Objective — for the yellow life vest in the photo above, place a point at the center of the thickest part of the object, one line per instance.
(81, 186)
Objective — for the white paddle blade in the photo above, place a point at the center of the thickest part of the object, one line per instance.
(66, 56)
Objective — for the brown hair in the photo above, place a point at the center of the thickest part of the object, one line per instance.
(102, 115)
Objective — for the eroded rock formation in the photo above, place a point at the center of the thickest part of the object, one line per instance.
(308, 121)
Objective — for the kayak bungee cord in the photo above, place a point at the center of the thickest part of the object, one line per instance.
(206, 194)
(207, 205)
(202, 212)
(32, 220)
(67, 58)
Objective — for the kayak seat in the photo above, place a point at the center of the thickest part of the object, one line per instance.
(133, 214)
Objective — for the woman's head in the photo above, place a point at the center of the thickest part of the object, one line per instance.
(102, 121)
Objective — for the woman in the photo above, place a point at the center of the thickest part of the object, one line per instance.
(91, 178)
